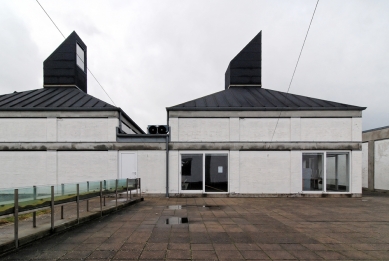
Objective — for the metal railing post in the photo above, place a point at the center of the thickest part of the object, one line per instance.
(34, 213)
(101, 198)
(105, 188)
(62, 193)
(116, 194)
(52, 208)
(87, 202)
(78, 203)
(16, 217)
(140, 189)
(127, 188)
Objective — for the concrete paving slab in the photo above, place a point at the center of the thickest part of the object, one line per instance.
(227, 229)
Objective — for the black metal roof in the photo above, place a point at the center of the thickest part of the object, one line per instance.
(53, 98)
(258, 99)
(57, 99)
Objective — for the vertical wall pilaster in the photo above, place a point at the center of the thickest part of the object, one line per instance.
(371, 165)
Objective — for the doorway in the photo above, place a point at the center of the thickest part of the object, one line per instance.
(204, 173)
(128, 165)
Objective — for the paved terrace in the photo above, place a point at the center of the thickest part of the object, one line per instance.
(228, 229)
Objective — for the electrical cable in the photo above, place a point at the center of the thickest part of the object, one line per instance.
(295, 68)
(77, 54)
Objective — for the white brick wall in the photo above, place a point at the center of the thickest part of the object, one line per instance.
(381, 164)
(152, 171)
(61, 129)
(261, 129)
(365, 165)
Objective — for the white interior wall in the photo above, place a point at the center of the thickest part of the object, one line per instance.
(381, 164)
(58, 129)
(365, 165)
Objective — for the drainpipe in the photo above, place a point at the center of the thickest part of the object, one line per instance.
(167, 157)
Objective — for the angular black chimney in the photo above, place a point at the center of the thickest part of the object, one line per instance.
(67, 65)
(245, 68)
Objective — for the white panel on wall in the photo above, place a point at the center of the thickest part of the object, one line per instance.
(365, 165)
(326, 129)
(381, 164)
(24, 169)
(81, 166)
(204, 129)
(264, 172)
(174, 171)
(256, 129)
(152, 171)
(356, 171)
(234, 181)
(173, 123)
(85, 129)
(22, 129)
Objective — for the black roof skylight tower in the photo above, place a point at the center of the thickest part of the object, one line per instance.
(67, 65)
(245, 68)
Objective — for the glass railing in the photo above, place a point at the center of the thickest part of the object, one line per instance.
(31, 199)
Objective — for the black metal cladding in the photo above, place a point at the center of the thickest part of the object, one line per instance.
(61, 69)
(245, 68)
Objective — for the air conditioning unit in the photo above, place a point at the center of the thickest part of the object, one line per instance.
(158, 129)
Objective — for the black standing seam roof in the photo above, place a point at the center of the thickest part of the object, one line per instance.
(57, 99)
(255, 98)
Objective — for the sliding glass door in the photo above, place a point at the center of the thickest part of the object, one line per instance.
(216, 173)
(204, 172)
(326, 171)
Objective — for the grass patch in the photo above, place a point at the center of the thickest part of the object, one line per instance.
(8, 220)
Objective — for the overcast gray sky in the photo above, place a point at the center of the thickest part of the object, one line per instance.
(150, 55)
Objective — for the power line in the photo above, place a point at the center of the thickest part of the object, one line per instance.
(77, 54)
(295, 68)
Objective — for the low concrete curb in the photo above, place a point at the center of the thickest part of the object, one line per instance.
(9, 246)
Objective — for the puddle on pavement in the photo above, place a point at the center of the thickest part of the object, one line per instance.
(175, 207)
(191, 206)
(176, 220)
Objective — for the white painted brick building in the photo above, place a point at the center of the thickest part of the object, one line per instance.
(242, 141)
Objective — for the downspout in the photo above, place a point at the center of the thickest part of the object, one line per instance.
(167, 157)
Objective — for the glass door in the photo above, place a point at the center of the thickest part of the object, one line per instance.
(216, 173)
(191, 172)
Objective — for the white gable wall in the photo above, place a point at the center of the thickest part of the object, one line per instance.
(58, 129)
(261, 129)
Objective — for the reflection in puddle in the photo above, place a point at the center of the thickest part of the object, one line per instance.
(176, 220)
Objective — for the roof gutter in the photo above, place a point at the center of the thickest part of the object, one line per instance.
(264, 109)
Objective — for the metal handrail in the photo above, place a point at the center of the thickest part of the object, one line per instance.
(51, 200)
